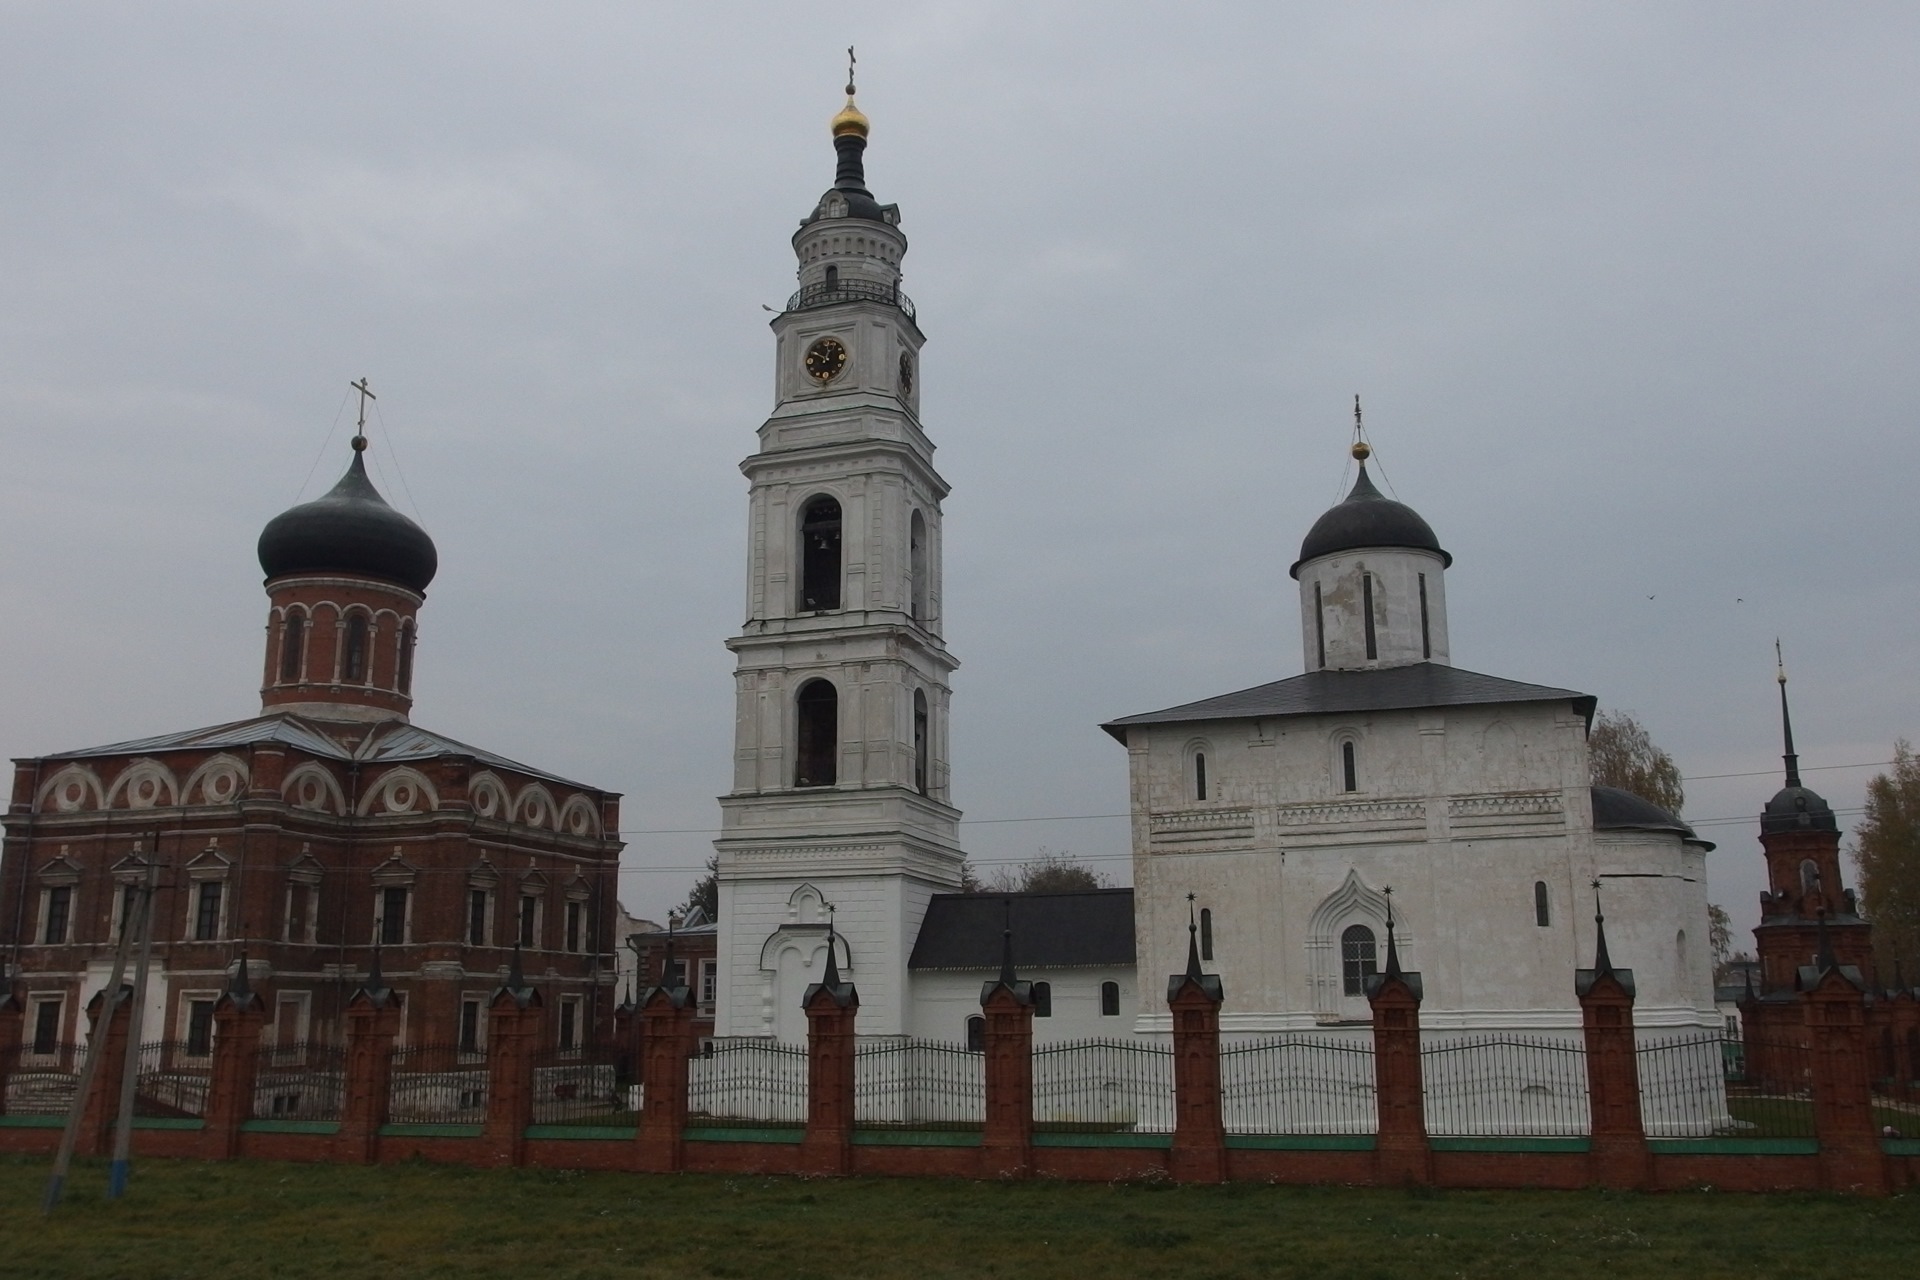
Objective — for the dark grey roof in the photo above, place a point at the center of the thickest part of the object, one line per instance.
(1319, 693)
(351, 530)
(1798, 808)
(386, 742)
(1367, 518)
(1050, 930)
(1618, 810)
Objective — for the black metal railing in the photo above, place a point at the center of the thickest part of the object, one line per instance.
(1298, 1084)
(1504, 1085)
(437, 1084)
(1895, 1061)
(174, 1078)
(44, 1084)
(822, 294)
(1708, 1084)
(303, 1080)
(1103, 1085)
(588, 1086)
(920, 1084)
(748, 1079)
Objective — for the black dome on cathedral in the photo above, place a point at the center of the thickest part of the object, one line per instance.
(1367, 518)
(349, 530)
(1797, 808)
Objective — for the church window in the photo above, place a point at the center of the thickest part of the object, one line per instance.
(1542, 914)
(1109, 999)
(393, 916)
(1199, 775)
(833, 278)
(1320, 624)
(477, 917)
(199, 1028)
(299, 911)
(470, 1026)
(46, 1028)
(59, 907)
(1206, 933)
(1349, 774)
(570, 1023)
(820, 555)
(1426, 631)
(529, 919)
(920, 741)
(1366, 608)
(1043, 999)
(355, 666)
(206, 914)
(977, 1033)
(1357, 961)
(917, 566)
(818, 738)
(293, 645)
(1809, 876)
(576, 917)
(403, 680)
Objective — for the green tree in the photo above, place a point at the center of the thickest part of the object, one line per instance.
(1886, 854)
(1624, 756)
(706, 891)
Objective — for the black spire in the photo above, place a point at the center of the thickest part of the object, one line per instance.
(1602, 962)
(238, 989)
(516, 978)
(376, 981)
(1788, 756)
(832, 980)
(1193, 943)
(1824, 961)
(1393, 948)
(1006, 946)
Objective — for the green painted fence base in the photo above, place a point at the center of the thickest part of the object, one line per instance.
(169, 1122)
(328, 1127)
(1571, 1146)
(580, 1132)
(431, 1130)
(1733, 1146)
(916, 1137)
(33, 1122)
(717, 1134)
(1900, 1146)
(1151, 1140)
(1299, 1142)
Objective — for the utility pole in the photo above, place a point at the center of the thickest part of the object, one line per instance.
(119, 1170)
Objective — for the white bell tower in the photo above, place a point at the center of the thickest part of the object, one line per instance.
(840, 784)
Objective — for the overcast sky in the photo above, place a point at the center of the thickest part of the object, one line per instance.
(1629, 290)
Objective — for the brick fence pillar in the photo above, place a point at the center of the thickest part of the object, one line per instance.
(666, 1042)
(373, 1024)
(1006, 1007)
(103, 1099)
(1834, 1007)
(13, 1016)
(238, 1018)
(1199, 1151)
(833, 1007)
(1400, 1150)
(1618, 1157)
(516, 1023)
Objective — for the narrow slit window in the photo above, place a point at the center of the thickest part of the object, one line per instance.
(529, 919)
(818, 735)
(476, 917)
(920, 741)
(1206, 933)
(1542, 911)
(1366, 608)
(917, 567)
(1349, 774)
(469, 1026)
(576, 917)
(404, 679)
(1357, 959)
(1320, 624)
(1109, 999)
(1199, 775)
(820, 555)
(293, 645)
(1426, 629)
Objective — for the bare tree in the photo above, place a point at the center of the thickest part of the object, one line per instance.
(1886, 853)
(1624, 756)
(1053, 871)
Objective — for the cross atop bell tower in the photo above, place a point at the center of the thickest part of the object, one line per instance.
(840, 787)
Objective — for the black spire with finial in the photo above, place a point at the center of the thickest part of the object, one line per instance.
(1788, 756)
(833, 960)
(1602, 962)
(1208, 983)
(239, 989)
(516, 976)
(376, 981)
(1193, 941)
(1393, 947)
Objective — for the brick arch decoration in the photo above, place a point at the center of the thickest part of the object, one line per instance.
(144, 784)
(534, 806)
(314, 788)
(400, 790)
(221, 779)
(489, 795)
(73, 789)
(579, 818)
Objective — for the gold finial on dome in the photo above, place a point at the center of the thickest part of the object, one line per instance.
(1362, 450)
(851, 119)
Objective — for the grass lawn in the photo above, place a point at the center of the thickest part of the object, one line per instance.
(259, 1220)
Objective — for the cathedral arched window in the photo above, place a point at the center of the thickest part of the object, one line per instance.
(1109, 999)
(403, 680)
(820, 555)
(354, 666)
(1043, 999)
(1206, 933)
(817, 744)
(1542, 913)
(293, 645)
(1349, 768)
(917, 566)
(833, 278)
(1357, 959)
(920, 741)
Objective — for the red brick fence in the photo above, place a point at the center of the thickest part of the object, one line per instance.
(945, 1110)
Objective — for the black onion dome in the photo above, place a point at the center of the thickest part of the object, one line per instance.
(1615, 809)
(349, 530)
(1797, 808)
(1367, 518)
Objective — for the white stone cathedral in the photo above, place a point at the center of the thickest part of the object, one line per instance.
(1288, 810)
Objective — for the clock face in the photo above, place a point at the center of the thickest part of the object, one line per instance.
(906, 373)
(825, 359)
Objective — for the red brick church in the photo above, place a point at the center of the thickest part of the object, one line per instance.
(309, 838)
